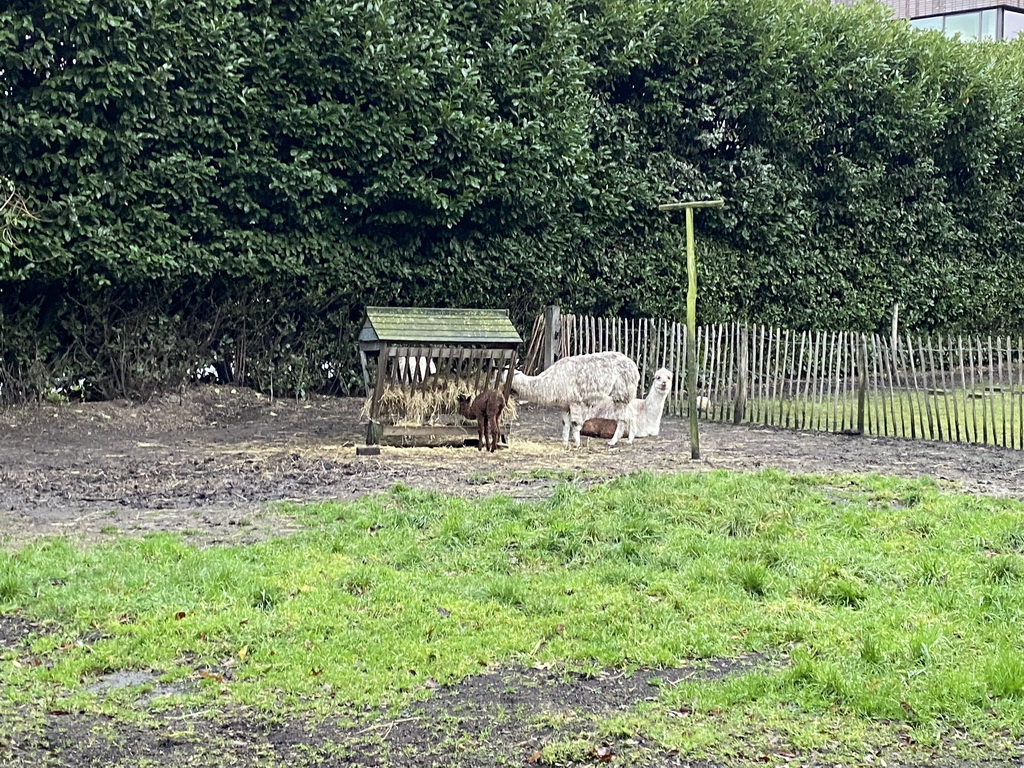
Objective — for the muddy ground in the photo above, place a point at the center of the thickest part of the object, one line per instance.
(206, 464)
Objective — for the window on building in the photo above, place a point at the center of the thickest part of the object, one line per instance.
(988, 24)
(1013, 24)
(975, 25)
(932, 22)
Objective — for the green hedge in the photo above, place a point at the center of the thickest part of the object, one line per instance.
(211, 176)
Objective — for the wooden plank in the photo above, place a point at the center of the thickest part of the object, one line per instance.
(943, 435)
(628, 346)
(912, 393)
(728, 366)
(887, 369)
(839, 380)
(645, 335)
(803, 380)
(991, 391)
(853, 410)
(813, 381)
(838, 409)
(1002, 388)
(975, 370)
(372, 430)
(719, 365)
(781, 351)
(704, 335)
(806, 411)
(824, 380)
(791, 367)
(1020, 388)
(798, 373)
(921, 387)
(968, 423)
(676, 392)
(364, 362)
(897, 371)
(987, 405)
(949, 384)
(742, 375)
(1013, 394)
(881, 421)
(757, 375)
(862, 381)
(710, 337)
(679, 354)
(930, 390)
(757, 388)
(781, 355)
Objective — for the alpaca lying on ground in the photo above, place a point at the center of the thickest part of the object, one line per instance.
(578, 383)
(646, 413)
(486, 408)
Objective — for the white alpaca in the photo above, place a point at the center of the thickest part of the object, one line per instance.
(577, 383)
(646, 412)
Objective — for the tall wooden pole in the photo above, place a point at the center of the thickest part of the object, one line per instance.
(691, 316)
(691, 332)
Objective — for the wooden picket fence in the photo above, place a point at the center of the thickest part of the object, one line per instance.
(950, 388)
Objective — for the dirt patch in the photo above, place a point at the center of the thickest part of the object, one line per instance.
(206, 463)
(501, 717)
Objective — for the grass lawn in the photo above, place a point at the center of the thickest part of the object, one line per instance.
(888, 612)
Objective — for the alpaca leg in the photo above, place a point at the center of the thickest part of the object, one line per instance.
(566, 426)
(626, 419)
(619, 425)
(481, 431)
(576, 418)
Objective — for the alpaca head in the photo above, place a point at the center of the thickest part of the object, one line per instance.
(662, 381)
(464, 404)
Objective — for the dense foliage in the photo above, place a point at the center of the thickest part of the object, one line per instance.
(207, 176)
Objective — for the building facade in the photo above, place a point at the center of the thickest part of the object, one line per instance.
(971, 19)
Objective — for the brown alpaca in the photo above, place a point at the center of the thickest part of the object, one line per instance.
(603, 428)
(486, 409)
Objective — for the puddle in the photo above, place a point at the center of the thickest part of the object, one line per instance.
(117, 680)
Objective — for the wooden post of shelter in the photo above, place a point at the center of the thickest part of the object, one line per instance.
(691, 314)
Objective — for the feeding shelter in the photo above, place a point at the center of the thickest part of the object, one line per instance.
(416, 361)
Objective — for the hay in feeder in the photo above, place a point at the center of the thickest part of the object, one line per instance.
(434, 404)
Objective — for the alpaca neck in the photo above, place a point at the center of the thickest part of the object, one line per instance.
(539, 389)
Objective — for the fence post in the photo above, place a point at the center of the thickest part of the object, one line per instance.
(552, 335)
(742, 373)
(862, 382)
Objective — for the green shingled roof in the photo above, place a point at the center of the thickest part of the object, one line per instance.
(438, 326)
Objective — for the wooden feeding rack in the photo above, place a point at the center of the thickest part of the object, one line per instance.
(419, 355)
